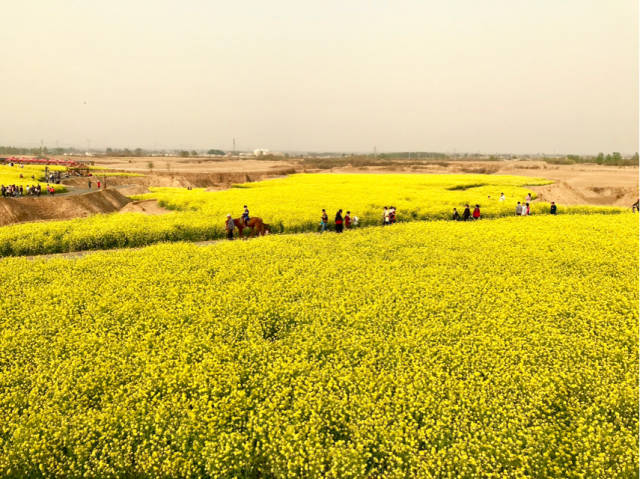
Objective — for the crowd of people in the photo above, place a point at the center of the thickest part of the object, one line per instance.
(522, 209)
(389, 215)
(467, 214)
(15, 191)
(341, 222)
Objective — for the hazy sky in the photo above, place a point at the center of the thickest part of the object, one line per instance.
(448, 75)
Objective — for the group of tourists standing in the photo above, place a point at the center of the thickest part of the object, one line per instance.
(341, 222)
(467, 214)
(389, 216)
(522, 209)
(20, 190)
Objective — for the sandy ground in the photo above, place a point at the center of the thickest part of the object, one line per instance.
(150, 207)
(164, 165)
(20, 210)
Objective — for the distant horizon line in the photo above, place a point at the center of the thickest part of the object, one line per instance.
(267, 151)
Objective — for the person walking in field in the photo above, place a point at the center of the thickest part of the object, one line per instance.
(554, 209)
(229, 226)
(476, 212)
(98, 183)
(502, 197)
(525, 209)
(324, 219)
(385, 217)
(456, 215)
(518, 209)
(339, 221)
(392, 215)
(466, 214)
(89, 183)
(347, 220)
(528, 198)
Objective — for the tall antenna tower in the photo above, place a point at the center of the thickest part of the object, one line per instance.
(234, 147)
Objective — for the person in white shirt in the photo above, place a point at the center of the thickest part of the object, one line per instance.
(502, 198)
(385, 216)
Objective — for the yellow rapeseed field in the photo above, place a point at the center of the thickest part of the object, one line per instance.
(502, 348)
(31, 175)
(290, 205)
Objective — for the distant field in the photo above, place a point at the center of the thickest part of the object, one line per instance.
(503, 348)
(292, 204)
(10, 175)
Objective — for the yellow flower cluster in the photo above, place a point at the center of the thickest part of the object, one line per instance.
(289, 205)
(10, 175)
(503, 348)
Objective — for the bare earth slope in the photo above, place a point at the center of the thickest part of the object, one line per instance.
(18, 210)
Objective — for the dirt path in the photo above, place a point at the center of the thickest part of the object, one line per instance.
(80, 254)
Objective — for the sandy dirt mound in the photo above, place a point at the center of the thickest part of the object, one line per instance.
(133, 185)
(19, 210)
(149, 207)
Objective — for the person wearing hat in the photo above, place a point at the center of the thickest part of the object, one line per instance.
(229, 225)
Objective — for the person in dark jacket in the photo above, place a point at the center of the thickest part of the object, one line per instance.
(339, 220)
(554, 208)
(466, 214)
(456, 215)
(229, 226)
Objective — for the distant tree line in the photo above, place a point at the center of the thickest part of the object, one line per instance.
(612, 159)
(430, 155)
(13, 150)
(125, 152)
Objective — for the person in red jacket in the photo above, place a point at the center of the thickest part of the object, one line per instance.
(347, 220)
(339, 223)
(476, 212)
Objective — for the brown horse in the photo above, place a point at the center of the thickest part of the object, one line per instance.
(256, 225)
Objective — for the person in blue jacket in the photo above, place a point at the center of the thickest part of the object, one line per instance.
(245, 215)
